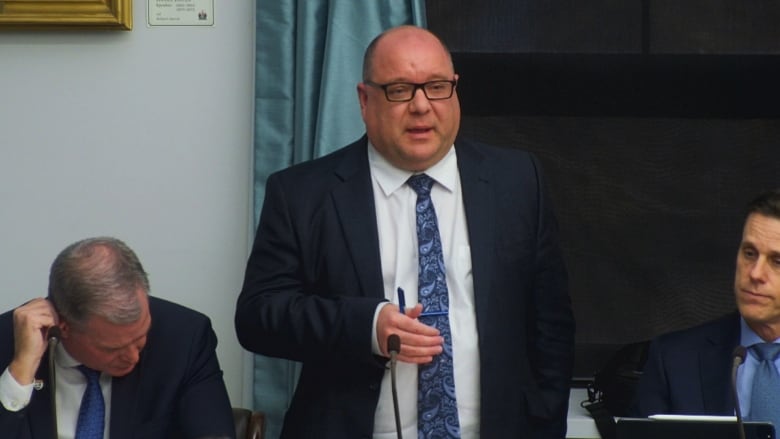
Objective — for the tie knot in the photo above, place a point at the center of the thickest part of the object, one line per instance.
(766, 351)
(91, 374)
(420, 183)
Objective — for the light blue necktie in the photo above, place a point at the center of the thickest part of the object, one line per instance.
(436, 406)
(90, 424)
(765, 400)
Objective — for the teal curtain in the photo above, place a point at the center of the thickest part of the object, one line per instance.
(309, 56)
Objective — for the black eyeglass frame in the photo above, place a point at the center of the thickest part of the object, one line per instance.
(415, 87)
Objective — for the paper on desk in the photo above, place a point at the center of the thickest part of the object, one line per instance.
(700, 418)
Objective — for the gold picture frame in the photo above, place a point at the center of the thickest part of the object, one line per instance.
(66, 14)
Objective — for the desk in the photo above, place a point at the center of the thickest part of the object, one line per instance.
(580, 423)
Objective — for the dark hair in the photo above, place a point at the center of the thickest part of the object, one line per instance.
(97, 277)
(767, 204)
(368, 57)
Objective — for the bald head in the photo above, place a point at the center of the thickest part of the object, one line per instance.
(415, 132)
(405, 34)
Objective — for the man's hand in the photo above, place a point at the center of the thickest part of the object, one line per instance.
(31, 323)
(419, 342)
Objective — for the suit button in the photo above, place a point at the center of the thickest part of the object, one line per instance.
(373, 386)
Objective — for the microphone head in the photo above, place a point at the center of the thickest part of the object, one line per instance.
(740, 352)
(393, 343)
(54, 333)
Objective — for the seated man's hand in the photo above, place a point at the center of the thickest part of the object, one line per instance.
(31, 323)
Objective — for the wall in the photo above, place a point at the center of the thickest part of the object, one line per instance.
(144, 135)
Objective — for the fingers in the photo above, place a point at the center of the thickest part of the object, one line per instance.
(418, 353)
(419, 342)
(31, 322)
(415, 312)
(37, 314)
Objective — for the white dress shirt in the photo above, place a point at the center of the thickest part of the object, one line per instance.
(71, 385)
(396, 221)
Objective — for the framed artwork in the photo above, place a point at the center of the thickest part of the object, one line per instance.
(66, 14)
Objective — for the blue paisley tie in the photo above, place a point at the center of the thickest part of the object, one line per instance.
(92, 411)
(436, 406)
(764, 402)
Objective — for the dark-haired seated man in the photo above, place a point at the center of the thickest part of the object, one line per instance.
(689, 371)
(128, 365)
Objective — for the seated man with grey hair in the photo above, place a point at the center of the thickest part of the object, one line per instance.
(128, 365)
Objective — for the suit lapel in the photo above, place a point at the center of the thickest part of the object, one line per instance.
(479, 205)
(715, 368)
(124, 396)
(354, 204)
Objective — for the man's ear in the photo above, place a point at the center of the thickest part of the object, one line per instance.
(60, 323)
(65, 329)
(362, 96)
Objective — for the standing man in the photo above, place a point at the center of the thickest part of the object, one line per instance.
(689, 371)
(127, 366)
(462, 231)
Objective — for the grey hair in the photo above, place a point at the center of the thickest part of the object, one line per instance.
(97, 277)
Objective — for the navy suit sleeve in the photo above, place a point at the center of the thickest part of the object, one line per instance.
(203, 405)
(177, 389)
(301, 299)
(11, 423)
(552, 333)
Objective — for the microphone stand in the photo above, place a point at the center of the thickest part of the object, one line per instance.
(54, 338)
(739, 358)
(394, 347)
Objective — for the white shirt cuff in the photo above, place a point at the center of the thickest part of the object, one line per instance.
(374, 341)
(13, 395)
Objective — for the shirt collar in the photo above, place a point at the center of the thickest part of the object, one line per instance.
(390, 178)
(748, 337)
(63, 357)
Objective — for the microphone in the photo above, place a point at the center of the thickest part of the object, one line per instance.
(738, 358)
(393, 348)
(54, 336)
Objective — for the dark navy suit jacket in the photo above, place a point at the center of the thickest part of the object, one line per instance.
(175, 391)
(314, 280)
(689, 371)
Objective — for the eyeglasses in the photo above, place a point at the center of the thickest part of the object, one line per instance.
(405, 91)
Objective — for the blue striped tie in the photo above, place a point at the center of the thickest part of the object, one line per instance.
(90, 424)
(436, 405)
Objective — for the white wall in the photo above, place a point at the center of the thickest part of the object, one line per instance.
(144, 135)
